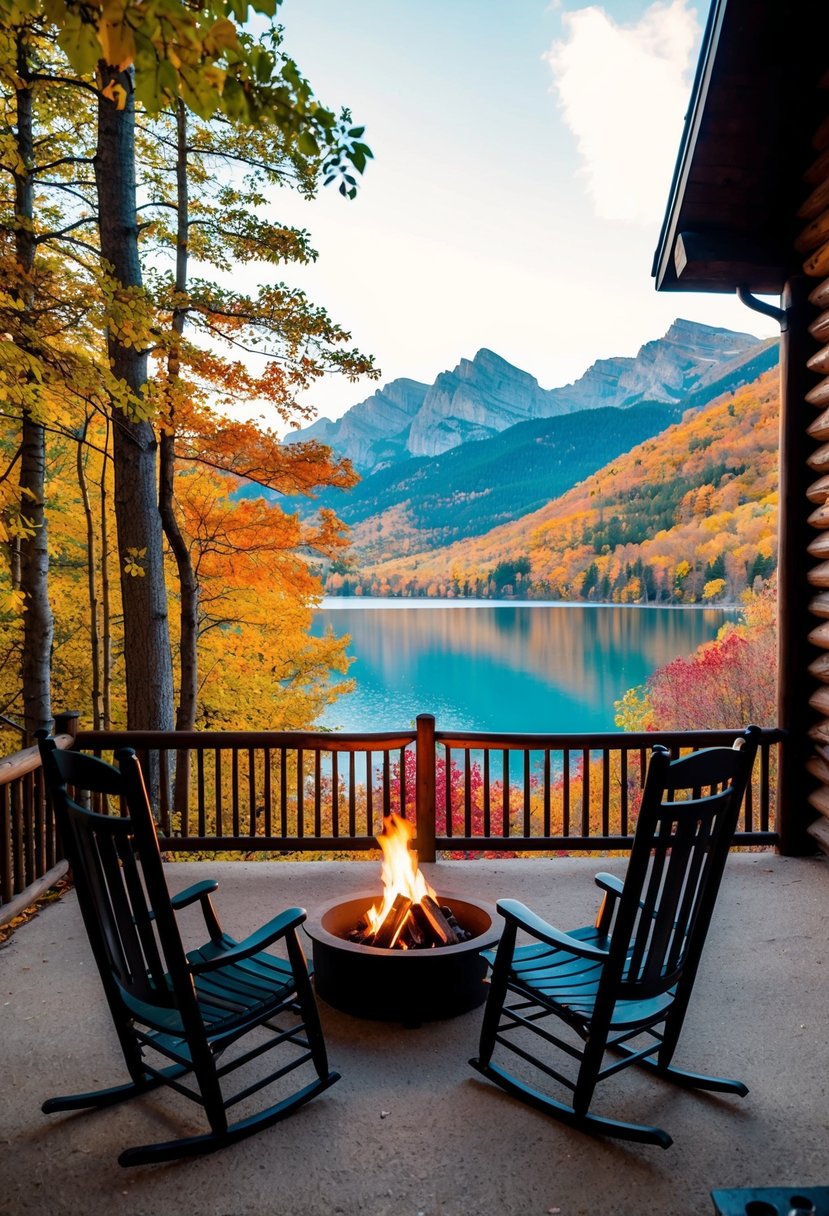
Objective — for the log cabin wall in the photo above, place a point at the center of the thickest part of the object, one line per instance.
(812, 243)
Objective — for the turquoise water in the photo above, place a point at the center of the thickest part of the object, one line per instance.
(480, 665)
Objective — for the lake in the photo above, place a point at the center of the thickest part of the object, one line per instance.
(502, 666)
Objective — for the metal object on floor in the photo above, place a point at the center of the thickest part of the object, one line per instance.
(772, 1201)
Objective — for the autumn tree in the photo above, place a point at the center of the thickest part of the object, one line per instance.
(211, 181)
(44, 307)
(726, 683)
(158, 54)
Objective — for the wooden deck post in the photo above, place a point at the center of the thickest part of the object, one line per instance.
(425, 787)
(794, 593)
(67, 723)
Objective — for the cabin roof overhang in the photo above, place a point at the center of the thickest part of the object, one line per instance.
(738, 182)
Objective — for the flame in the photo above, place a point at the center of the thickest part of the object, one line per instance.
(399, 873)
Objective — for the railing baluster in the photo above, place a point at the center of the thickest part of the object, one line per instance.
(283, 790)
(606, 791)
(352, 794)
(234, 789)
(565, 791)
(623, 791)
(487, 803)
(547, 830)
(369, 795)
(300, 793)
(335, 798)
(585, 791)
(199, 796)
(318, 793)
(527, 808)
(447, 795)
(266, 791)
(765, 758)
(401, 769)
(505, 792)
(164, 791)
(467, 794)
(217, 777)
(251, 791)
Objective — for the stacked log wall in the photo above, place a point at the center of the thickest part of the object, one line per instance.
(813, 243)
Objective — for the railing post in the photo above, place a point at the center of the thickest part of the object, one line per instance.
(425, 787)
(67, 723)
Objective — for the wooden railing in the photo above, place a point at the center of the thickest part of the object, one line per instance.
(301, 793)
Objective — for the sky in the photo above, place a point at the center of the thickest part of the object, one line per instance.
(523, 155)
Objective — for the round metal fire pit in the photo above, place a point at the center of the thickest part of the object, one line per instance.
(408, 986)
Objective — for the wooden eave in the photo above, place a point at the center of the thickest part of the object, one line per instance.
(745, 147)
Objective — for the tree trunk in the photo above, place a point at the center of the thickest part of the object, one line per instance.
(106, 610)
(188, 583)
(38, 625)
(91, 578)
(147, 661)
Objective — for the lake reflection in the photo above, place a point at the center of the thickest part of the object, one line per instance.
(502, 667)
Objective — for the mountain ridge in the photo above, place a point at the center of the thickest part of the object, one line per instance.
(687, 516)
(486, 395)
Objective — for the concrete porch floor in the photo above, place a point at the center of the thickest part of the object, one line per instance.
(410, 1129)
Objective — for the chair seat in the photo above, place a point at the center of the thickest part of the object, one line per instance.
(240, 989)
(571, 983)
(230, 998)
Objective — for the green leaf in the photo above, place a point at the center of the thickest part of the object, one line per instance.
(81, 47)
(307, 144)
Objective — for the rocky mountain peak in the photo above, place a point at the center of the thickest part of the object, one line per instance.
(485, 395)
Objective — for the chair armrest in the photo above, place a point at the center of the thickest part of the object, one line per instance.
(191, 894)
(524, 918)
(280, 926)
(610, 883)
(202, 891)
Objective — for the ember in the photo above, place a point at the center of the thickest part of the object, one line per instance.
(409, 917)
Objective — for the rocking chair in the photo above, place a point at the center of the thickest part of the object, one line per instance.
(167, 1004)
(629, 977)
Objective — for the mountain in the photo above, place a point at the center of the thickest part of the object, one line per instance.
(484, 396)
(426, 502)
(686, 516)
(375, 431)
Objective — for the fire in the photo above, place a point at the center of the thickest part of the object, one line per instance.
(399, 873)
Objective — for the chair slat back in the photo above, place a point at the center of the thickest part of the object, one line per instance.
(117, 870)
(687, 820)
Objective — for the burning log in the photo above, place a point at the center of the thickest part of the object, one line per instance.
(434, 923)
(408, 916)
(411, 926)
(391, 927)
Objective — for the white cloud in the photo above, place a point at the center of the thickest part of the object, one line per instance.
(623, 90)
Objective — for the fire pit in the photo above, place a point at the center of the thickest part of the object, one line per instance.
(407, 956)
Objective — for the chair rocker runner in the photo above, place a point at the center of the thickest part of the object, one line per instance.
(186, 1007)
(623, 985)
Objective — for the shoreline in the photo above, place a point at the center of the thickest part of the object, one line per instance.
(365, 602)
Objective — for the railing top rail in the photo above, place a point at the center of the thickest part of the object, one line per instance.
(194, 740)
(596, 741)
(18, 764)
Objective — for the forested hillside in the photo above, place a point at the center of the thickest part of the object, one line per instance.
(686, 517)
(432, 501)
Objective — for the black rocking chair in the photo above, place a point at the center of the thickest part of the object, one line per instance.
(168, 1004)
(623, 985)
